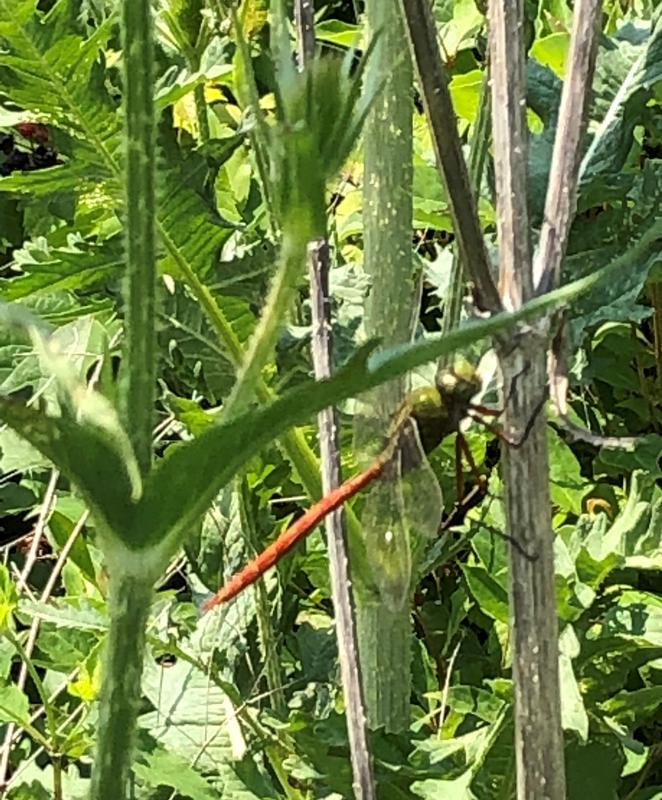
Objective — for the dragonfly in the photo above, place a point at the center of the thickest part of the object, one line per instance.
(402, 484)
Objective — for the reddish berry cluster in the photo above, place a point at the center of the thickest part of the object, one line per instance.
(16, 157)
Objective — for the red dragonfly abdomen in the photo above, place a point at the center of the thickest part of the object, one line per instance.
(296, 532)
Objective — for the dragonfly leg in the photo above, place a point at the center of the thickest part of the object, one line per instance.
(459, 477)
(462, 506)
(486, 411)
(515, 443)
(465, 450)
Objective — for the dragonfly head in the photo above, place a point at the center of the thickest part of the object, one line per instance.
(458, 386)
(438, 411)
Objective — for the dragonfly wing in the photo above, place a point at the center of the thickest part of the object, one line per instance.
(386, 537)
(385, 534)
(421, 494)
(402, 512)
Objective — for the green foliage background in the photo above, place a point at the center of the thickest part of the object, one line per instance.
(248, 705)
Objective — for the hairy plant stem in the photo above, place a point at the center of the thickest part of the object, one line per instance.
(138, 377)
(250, 101)
(279, 301)
(130, 593)
(267, 634)
(201, 113)
(293, 442)
(129, 603)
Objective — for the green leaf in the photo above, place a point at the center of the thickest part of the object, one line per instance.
(637, 614)
(162, 768)
(490, 595)
(594, 769)
(573, 712)
(51, 70)
(645, 456)
(192, 234)
(567, 487)
(465, 91)
(35, 790)
(8, 598)
(85, 452)
(182, 720)
(14, 706)
(192, 352)
(60, 178)
(61, 528)
(626, 73)
(592, 561)
(175, 84)
(69, 613)
(17, 455)
(635, 708)
(86, 441)
(338, 32)
(551, 51)
(77, 266)
(609, 655)
(633, 539)
(211, 545)
(611, 232)
(14, 499)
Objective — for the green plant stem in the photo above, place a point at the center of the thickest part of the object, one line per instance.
(266, 633)
(250, 100)
(293, 442)
(385, 652)
(39, 686)
(655, 293)
(201, 112)
(57, 778)
(279, 301)
(389, 313)
(138, 379)
(129, 603)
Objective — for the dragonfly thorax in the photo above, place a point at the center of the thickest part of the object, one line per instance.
(439, 410)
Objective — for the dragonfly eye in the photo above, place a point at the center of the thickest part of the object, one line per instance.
(459, 385)
(449, 382)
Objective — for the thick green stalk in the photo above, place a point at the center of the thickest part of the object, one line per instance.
(129, 603)
(130, 592)
(138, 379)
(387, 219)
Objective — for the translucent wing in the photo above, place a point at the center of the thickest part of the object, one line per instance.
(402, 509)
